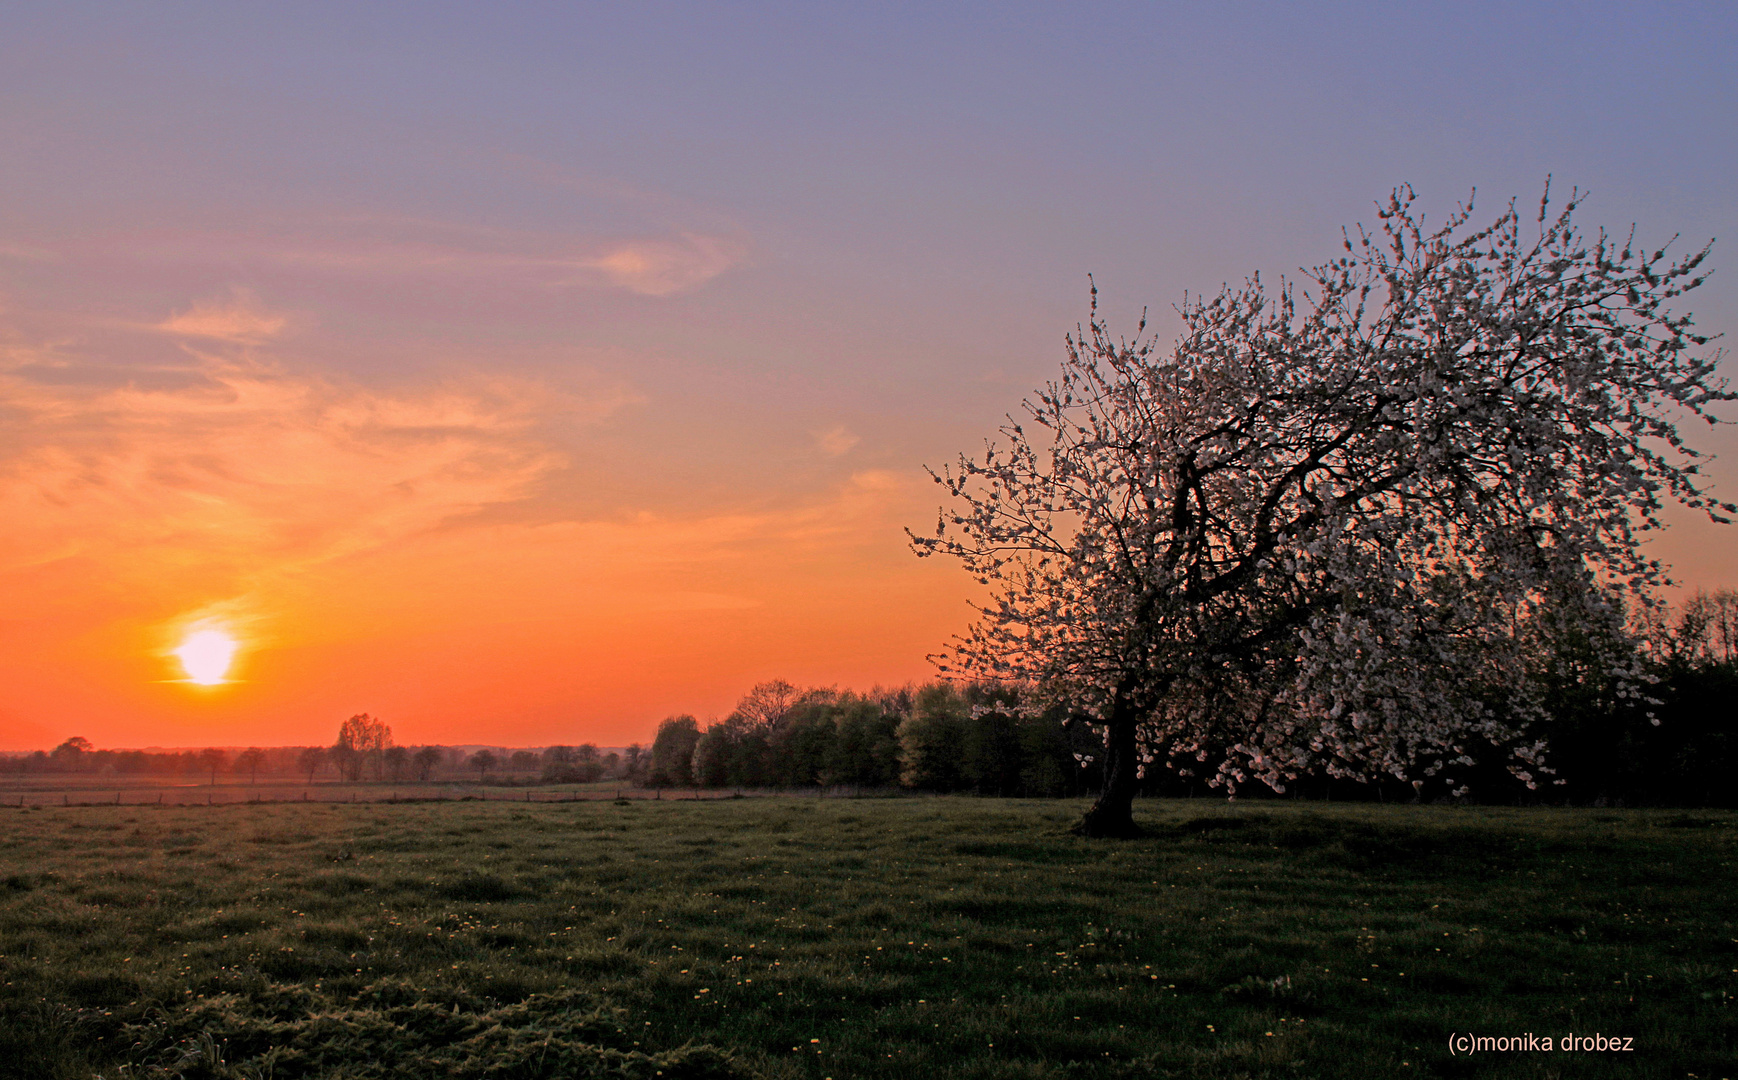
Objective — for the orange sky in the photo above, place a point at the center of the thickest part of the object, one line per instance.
(354, 542)
(412, 553)
(524, 379)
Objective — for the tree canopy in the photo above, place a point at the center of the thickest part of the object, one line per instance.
(362, 739)
(1320, 531)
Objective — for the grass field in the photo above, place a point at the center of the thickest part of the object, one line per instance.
(860, 938)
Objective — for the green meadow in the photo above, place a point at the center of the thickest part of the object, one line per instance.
(908, 937)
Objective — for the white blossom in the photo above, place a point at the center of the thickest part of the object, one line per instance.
(1313, 535)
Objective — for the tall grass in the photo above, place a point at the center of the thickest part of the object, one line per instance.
(858, 938)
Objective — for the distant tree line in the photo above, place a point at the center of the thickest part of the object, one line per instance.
(1675, 745)
(77, 755)
(937, 737)
(363, 751)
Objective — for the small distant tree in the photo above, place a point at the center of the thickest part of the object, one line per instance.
(483, 761)
(310, 760)
(1707, 630)
(932, 740)
(588, 761)
(249, 761)
(1325, 531)
(559, 765)
(69, 756)
(767, 703)
(362, 741)
(635, 758)
(397, 761)
(713, 752)
(865, 747)
(522, 761)
(796, 751)
(673, 753)
(347, 760)
(427, 759)
(212, 759)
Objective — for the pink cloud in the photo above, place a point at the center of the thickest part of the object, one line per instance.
(240, 320)
(664, 266)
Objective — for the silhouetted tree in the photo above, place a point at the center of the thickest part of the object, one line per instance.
(1707, 631)
(559, 765)
(250, 760)
(932, 738)
(801, 742)
(213, 759)
(310, 760)
(673, 753)
(362, 740)
(992, 759)
(588, 761)
(865, 747)
(767, 703)
(731, 753)
(426, 760)
(712, 754)
(69, 756)
(483, 761)
(397, 761)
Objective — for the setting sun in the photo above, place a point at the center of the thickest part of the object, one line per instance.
(205, 655)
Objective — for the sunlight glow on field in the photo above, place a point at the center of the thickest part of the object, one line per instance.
(206, 655)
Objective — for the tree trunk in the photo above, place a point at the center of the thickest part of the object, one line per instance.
(1112, 816)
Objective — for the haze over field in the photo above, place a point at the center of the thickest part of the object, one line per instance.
(524, 377)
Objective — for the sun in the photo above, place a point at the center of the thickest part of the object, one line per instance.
(205, 654)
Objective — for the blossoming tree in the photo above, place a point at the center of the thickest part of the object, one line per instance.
(1313, 535)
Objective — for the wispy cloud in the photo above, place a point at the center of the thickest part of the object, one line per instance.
(253, 466)
(836, 440)
(240, 320)
(879, 480)
(663, 266)
(410, 251)
(231, 472)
